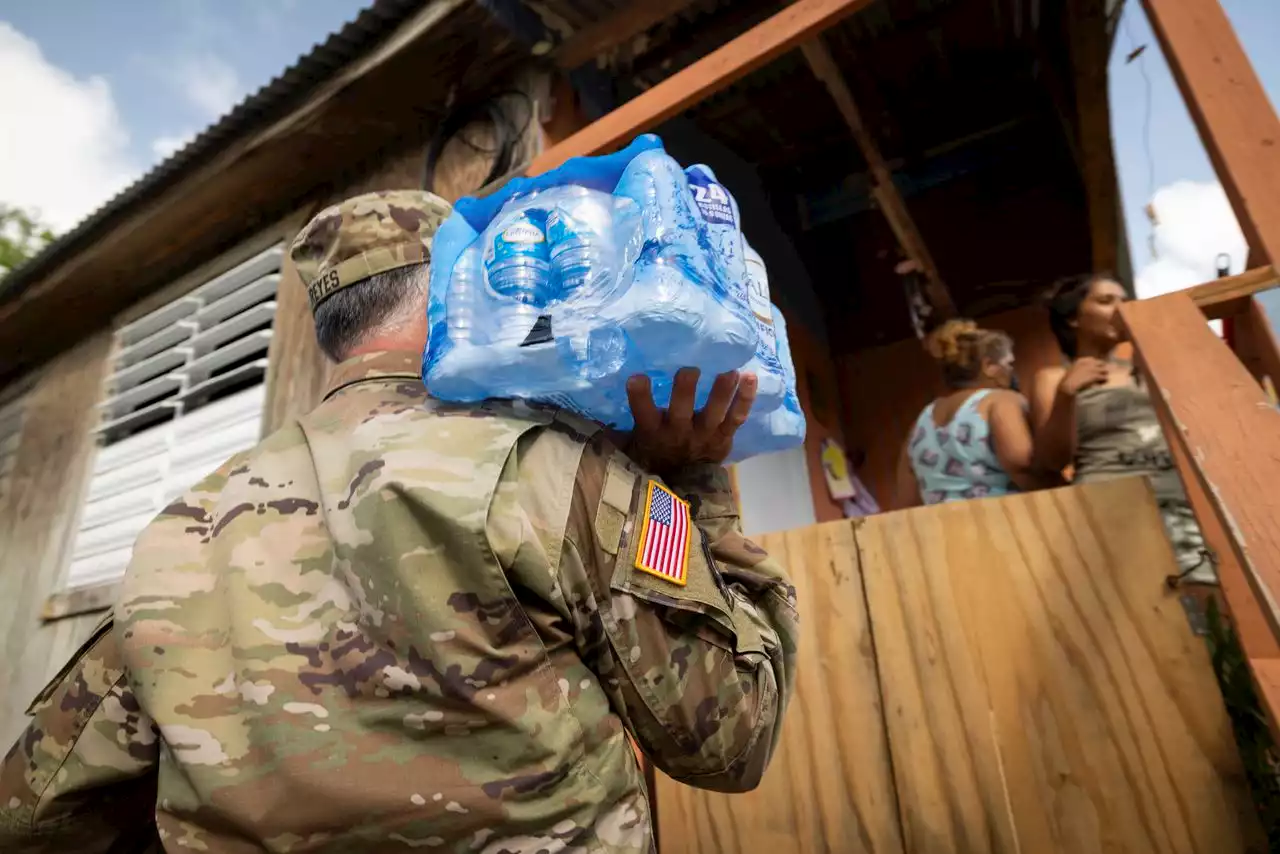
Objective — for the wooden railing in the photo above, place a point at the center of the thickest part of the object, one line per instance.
(1214, 401)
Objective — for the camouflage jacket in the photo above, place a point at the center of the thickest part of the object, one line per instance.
(397, 624)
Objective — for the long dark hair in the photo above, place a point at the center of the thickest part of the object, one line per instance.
(1064, 306)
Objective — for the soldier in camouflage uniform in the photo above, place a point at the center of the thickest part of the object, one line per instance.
(399, 624)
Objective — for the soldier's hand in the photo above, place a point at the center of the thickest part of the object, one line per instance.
(666, 440)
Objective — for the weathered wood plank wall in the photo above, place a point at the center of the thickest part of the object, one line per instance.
(1037, 688)
(37, 521)
(829, 788)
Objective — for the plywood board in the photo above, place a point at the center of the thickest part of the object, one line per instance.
(1044, 691)
(829, 787)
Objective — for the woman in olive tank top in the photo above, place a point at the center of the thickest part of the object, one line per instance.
(1096, 415)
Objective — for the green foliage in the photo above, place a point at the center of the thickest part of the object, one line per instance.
(21, 236)
(1248, 721)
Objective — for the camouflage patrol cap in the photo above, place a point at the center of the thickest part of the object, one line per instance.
(366, 235)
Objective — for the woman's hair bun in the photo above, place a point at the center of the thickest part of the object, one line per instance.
(952, 342)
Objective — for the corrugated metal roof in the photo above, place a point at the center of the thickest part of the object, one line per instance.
(272, 100)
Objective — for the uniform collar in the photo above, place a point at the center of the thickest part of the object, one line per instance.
(386, 364)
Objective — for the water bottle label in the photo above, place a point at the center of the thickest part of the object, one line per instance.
(758, 292)
(768, 340)
(712, 199)
(520, 239)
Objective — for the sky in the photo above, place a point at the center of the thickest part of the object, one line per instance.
(1159, 158)
(95, 94)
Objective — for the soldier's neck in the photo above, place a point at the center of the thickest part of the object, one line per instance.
(410, 336)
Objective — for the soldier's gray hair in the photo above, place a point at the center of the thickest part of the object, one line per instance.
(380, 302)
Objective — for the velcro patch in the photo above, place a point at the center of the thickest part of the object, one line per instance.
(615, 504)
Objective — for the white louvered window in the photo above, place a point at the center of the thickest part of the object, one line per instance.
(186, 392)
(11, 411)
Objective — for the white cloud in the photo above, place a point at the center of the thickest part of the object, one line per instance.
(209, 84)
(1194, 225)
(166, 146)
(64, 148)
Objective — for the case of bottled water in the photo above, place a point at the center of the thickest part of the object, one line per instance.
(559, 288)
(777, 429)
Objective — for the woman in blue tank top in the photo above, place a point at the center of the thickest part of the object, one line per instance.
(975, 440)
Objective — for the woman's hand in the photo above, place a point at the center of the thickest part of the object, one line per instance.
(1084, 373)
(667, 440)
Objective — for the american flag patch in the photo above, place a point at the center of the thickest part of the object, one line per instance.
(664, 535)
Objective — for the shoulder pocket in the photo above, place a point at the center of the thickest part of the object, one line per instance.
(100, 631)
(663, 559)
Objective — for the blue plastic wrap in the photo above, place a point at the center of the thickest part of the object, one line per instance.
(783, 427)
(559, 288)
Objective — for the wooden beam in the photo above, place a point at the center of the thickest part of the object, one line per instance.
(1236, 121)
(883, 189)
(1090, 48)
(716, 71)
(1231, 432)
(1255, 343)
(1251, 625)
(1230, 296)
(623, 25)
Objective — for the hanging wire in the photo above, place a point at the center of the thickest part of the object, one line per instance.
(507, 134)
(1138, 53)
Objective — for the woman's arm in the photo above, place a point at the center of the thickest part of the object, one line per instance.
(1053, 420)
(1013, 445)
(1053, 409)
(906, 490)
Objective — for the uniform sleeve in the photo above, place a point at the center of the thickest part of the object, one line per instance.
(82, 777)
(701, 672)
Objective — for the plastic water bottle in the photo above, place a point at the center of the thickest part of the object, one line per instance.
(580, 234)
(784, 427)
(678, 310)
(719, 210)
(519, 269)
(465, 289)
(764, 364)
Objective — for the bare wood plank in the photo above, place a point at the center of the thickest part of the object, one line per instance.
(714, 72)
(1242, 607)
(950, 787)
(603, 36)
(1230, 430)
(80, 601)
(1045, 691)
(297, 370)
(1236, 121)
(885, 192)
(1260, 646)
(829, 787)
(45, 491)
(1230, 296)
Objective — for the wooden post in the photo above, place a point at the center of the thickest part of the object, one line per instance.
(1232, 113)
(885, 192)
(1090, 47)
(716, 71)
(1230, 431)
(1228, 297)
